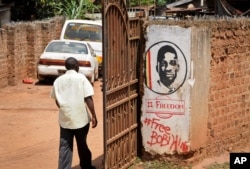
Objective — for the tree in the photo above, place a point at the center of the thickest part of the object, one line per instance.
(71, 9)
(41, 9)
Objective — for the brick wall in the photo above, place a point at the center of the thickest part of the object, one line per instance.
(229, 94)
(21, 45)
(3, 60)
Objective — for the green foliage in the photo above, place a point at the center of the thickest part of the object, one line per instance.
(45, 9)
(71, 9)
(133, 3)
(155, 164)
(225, 165)
(161, 2)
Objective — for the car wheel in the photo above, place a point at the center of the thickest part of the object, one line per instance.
(41, 79)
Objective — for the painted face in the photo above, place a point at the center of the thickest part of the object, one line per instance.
(167, 68)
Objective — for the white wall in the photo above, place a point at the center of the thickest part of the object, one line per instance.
(175, 121)
(166, 115)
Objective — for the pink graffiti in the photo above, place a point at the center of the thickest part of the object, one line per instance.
(157, 126)
(161, 135)
(177, 143)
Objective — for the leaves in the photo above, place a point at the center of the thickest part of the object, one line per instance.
(133, 3)
(71, 9)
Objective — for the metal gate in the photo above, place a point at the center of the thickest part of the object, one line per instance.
(120, 84)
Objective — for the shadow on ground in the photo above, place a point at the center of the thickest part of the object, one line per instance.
(98, 163)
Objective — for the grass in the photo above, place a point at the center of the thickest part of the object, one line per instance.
(171, 165)
(157, 165)
(219, 166)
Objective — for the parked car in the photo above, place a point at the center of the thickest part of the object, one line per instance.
(85, 30)
(52, 61)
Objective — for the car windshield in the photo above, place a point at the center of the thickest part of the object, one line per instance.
(67, 47)
(83, 32)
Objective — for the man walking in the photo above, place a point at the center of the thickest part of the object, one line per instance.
(71, 91)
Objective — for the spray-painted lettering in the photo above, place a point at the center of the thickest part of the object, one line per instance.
(161, 135)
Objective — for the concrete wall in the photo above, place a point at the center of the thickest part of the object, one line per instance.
(200, 74)
(183, 110)
(217, 98)
(166, 105)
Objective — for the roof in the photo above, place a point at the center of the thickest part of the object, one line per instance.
(225, 8)
(220, 7)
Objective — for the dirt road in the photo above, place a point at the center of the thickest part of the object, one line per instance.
(29, 131)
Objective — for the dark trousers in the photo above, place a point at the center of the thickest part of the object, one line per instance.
(66, 147)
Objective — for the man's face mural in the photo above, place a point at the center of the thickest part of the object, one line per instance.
(167, 65)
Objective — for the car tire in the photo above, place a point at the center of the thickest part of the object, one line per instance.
(41, 79)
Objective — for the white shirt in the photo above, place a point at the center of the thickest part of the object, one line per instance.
(69, 90)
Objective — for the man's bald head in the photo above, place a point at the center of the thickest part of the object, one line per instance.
(71, 64)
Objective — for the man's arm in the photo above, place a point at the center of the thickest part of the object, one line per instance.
(90, 104)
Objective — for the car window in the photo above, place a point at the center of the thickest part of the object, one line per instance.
(67, 47)
(83, 32)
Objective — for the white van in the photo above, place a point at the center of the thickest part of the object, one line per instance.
(85, 30)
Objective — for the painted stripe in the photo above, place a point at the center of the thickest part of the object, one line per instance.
(149, 78)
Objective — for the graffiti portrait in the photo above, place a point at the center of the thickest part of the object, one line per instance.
(165, 68)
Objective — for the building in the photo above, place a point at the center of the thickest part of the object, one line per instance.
(5, 13)
(215, 7)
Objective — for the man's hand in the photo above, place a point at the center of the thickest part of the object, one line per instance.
(94, 122)
(90, 104)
